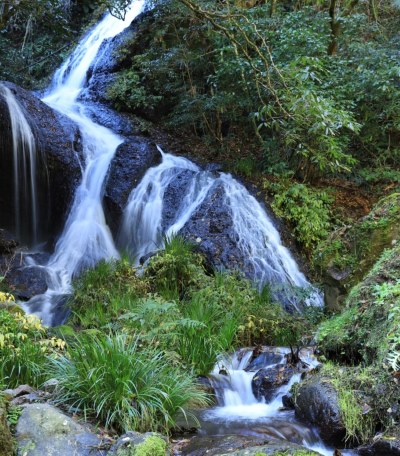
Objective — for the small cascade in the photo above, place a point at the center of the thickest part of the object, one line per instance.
(239, 412)
(26, 164)
(267, 260)
(86, 238)
(142, 231)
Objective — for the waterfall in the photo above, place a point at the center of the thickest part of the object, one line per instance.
(86, 238)
(25, 171)
(258, 240)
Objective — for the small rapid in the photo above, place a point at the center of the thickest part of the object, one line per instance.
(239, 412)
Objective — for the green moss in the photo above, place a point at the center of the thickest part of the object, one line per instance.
(152, 446)
(353, 250)
(291, 453)
(367, 329)
(6, 440)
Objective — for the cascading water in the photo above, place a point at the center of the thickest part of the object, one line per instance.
(258, 240)
(86, 238)
(25, 176)
(239, 412)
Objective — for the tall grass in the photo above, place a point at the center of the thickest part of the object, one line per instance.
(124, 385)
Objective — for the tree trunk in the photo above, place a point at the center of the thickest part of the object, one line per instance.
(335, 28)
(272, 8)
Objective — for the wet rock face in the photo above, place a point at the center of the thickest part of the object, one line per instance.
(132, 159)
(267, 381)
(211, 228)
(58, 169)
(386, 445)
(316, 402)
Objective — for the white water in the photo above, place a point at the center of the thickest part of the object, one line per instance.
(238, 411)
(258, 240)
(24, 169)
(86, 238)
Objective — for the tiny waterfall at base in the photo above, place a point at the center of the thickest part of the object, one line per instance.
(25, 158)
(257, 238)
(239, 412)
(86, 238)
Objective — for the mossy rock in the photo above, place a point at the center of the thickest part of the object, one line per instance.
(136, 444)
(362, 332)
(350, 252)
(6, 439)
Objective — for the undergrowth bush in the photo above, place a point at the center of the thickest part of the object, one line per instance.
(24, 349)
(307, 210)
(125, 385)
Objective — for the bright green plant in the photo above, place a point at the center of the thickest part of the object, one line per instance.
(306, 209)
(175, 269)
(152, 446)
(123, 384)
(24, 348)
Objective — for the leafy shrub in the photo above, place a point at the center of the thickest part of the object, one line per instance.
(306, 209)
(122, 384)
(175, 269)
(24, 348)
(105, 292)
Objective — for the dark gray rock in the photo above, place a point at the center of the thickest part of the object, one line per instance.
(212, 224)
(237, 445)
(316, 402)
(264, 359)
(383, 445)
(43, 430)
(266, 382)
(58, 169)
(24, 278)
(8, 243)
(131, 161)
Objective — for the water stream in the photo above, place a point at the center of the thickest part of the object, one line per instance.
(86, 238)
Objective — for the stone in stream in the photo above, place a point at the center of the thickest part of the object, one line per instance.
(133, 443)
(267, 381)
(316, 402)
(387, 444)
(43, 430)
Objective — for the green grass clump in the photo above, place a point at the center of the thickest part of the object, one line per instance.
(126, 386)
(152, 446)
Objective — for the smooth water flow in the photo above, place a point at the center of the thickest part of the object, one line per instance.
(257, 238)
(25, 157)
(86, 238)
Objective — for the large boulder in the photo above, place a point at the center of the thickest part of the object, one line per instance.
(211, 224)
(350, 252)
(59, 148)
(316, 402)
(132, 159)
(43, 430)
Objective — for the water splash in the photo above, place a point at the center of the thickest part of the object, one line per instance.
(25, 173)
